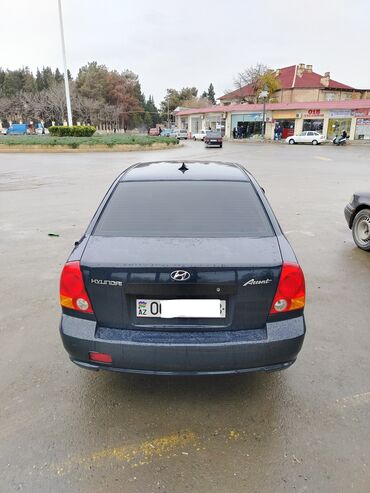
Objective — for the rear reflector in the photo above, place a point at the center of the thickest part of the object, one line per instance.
(291, 292)
(100, 357)
(73, 294)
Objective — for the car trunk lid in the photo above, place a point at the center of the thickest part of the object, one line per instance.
(244, 272)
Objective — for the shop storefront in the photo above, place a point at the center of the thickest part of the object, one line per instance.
(215, 121)
(339, 121)
(285, 120)
(362, 129)
(246, 125)
(196, 125)
(313, 120)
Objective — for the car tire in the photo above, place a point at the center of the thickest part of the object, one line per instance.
(220, 146)
(194, 139)
(314, 142)
(361, 229)
(291, 141)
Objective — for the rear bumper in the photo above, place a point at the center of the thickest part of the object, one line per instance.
(184, 353)
(213, 144)
(349, 212)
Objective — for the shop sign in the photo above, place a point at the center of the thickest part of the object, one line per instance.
(360, 113)
(340, 114)
(313, 114)
(284, 115)
(249, 117)
(363, 121)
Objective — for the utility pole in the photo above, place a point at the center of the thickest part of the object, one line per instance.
(66, 81)
(168, 112)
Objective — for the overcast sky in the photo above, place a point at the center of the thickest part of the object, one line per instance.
(173, 43)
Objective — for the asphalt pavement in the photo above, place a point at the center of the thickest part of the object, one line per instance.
(64, 429)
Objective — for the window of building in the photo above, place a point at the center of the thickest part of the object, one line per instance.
(313, 125)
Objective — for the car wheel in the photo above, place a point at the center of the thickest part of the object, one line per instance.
(194, 138)
(291, 141)
(361, 229)
(220, 146)
(314, 142)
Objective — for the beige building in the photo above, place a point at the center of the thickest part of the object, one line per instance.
(298, 84)
(330, 118)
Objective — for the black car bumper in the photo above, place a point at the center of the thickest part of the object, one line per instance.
(349, 213)
(184, 353)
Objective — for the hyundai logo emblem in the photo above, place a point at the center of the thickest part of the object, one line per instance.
(180, 275)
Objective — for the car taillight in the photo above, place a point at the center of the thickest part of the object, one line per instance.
(73, 294)
(290, 293)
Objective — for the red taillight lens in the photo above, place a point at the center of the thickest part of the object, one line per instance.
(291, 292)
(72, 289)
(101, 357)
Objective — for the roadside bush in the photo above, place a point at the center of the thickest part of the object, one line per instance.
(72, 131)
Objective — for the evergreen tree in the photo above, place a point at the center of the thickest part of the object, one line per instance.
(58, 76)
(39, 81)
(211, 94)
(151, 108)
(47, 77)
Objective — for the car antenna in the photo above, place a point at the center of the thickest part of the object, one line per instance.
(183, 168)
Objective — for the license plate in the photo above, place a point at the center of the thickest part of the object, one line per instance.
(214, 141)
(181, 308)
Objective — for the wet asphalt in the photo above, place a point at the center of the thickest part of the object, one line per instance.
(64, 429)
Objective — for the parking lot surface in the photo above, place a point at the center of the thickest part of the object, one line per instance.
(64, 429)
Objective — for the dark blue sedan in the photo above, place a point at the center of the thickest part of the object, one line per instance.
(183, 270)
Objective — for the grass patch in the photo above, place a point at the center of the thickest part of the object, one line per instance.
(75, 142)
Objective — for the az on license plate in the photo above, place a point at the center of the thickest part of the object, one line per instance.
(181, 308)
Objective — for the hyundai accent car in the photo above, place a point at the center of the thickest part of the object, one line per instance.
(183, 270)
(309, 137)
(357, 214)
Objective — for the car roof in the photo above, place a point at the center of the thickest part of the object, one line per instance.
(185, 170)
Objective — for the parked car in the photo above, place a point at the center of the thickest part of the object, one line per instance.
(166, 132)
(357, 214)
(308, 137)
(41, 131)
(200, 135)
(154, 131)
(17, 129)
(3, 131)
(179, 133)
(183, 270)
(213, 139)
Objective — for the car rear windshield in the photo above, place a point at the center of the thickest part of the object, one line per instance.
(184, 209)
(215, 135)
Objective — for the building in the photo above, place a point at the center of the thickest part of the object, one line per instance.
(299, 83)
(328, 117)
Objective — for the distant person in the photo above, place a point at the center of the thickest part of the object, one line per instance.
(239, 132)
(159, 131)
(234, 133)
(114, 129)
(344, 134)
(280, 132)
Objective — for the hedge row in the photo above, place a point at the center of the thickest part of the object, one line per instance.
(72, 131)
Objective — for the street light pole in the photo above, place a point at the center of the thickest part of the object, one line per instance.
(263, 94)
(66, 82)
